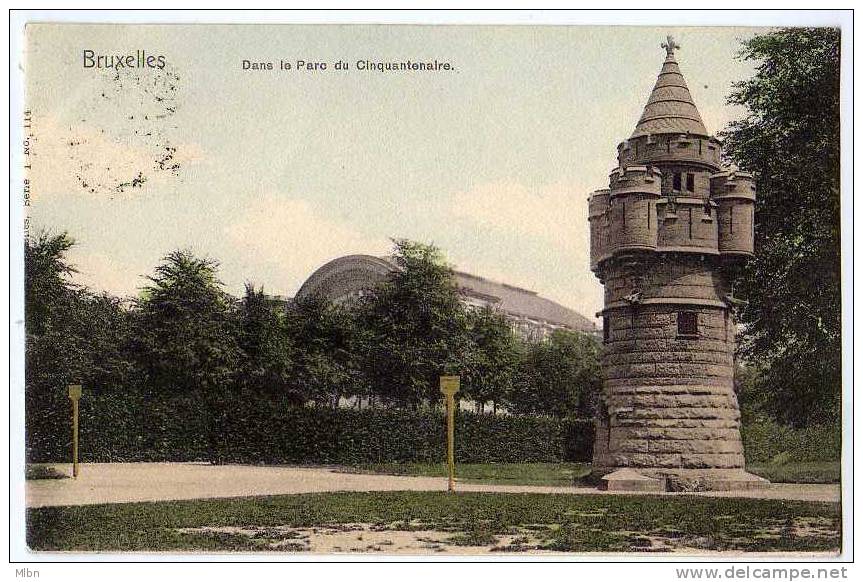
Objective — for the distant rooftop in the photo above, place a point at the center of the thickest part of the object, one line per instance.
(519, 301)
(349, 273)
(524, 302)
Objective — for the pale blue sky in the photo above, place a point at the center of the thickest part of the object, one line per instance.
(283, 171)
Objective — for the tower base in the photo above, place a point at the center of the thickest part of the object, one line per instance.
(659, 480)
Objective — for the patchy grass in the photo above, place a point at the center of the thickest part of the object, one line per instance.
(550, 474)
(797, 472)
(36, 472)
(558, 522)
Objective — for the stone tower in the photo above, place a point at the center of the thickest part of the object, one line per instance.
(666, 238)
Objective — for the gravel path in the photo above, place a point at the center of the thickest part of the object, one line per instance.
(127, 482)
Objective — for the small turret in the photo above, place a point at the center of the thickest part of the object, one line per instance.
(673, 147)
(733, 192)
(632, 206)
(598, 218)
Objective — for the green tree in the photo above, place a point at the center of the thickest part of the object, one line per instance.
(72, 336)
(492, 358)
(326, 364)
(789, 139)
(559, 376)
(47, 277)
(751, 400)
(189, 339)
(266, 345)
(416, 326)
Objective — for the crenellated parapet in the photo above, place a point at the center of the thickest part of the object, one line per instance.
(635, 179)
(687, 224)
(671, 148)
(641, 211)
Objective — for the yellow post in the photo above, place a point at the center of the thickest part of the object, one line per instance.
(449, 385)
(75, 396)
(450, 441)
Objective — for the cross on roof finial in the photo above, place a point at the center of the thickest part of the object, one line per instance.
(669, 46)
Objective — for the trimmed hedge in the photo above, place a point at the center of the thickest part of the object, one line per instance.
(578, 439)
(129, 428)
(347, 436)
(118, 428)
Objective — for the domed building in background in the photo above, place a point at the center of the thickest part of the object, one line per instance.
(532, 317)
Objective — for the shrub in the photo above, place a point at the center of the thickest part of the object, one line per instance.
(38, 472)
(578, 435)
(128, 427)
(132, 427)
(286, 434)
(766, 441)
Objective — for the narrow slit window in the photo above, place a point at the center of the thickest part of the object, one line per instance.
(676, 182)
(731, 220)
(690, 182)
(648, 215)
(623, 219)
(690, 223)
(687, 323)
(606, 328)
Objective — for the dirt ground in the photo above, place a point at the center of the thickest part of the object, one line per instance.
(364, 538)
(126, 482)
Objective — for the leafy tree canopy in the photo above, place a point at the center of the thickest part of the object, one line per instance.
(73, 336)
(188, 325)
(559, 376)
(416, 326)
(47, 278)
(267, 347)
(789, 139)
(326, 361)
(492, 359)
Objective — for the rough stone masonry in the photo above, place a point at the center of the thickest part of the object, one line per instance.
(667, 237)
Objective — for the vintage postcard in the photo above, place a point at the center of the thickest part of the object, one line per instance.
(358, 290)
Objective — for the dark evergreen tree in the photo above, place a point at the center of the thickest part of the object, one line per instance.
(188, 336)
(47, 279)
(267, 349)
(72, 337)
(326, 364)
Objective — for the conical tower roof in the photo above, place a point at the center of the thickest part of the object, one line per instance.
(670, 108)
